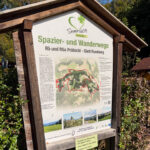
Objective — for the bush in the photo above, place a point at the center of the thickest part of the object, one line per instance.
(134, 113)
(11, 123)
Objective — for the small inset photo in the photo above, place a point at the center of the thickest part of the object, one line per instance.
(104, 116)
(90, 117)
(72, 120)
(53, 126)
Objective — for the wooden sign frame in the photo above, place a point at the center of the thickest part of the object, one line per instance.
(24, 57)
(27, 73)
(35, 103)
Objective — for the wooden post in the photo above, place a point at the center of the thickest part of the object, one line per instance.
(116, 98)
(33, 89)
(23, 91)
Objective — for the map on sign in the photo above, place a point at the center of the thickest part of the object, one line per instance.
(77, 82)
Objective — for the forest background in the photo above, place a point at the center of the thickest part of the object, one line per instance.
(133, 13)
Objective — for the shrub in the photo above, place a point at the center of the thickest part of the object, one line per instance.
(11, 124)
(134, 113)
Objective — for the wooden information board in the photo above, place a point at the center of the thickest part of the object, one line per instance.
(74, 63)
(69, 63)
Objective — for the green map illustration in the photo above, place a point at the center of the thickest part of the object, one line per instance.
(77, 82)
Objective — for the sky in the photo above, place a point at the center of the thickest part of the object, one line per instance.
(104, 1)
(90, 113)
(76, 115)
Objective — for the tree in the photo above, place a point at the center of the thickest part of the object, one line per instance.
(136, 15)
(7, 4)
(132, 13)
(140, 17)
(6, 47)
(6, 42)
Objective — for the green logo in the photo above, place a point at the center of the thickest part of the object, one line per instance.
(77, 23)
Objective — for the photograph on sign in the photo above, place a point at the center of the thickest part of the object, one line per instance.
(74, 62)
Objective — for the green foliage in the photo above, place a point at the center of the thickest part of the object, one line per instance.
(133, 117)
(105, 117)
(7, 4)
(52, 128)
(121, 9)
(129, 60)
(6, 42)
(6, 47)
(132, 13)
(11, 125)
(136, 15)
(139, 16)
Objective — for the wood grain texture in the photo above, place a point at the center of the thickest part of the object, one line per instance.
(70, 143)
(116, 97)
(129, 46)
(39, 139)
(23, 93)
(83, 8)
(30, 7)
(30, 84)
(114, 22)
(100, 21)
(27, 24)
(15, 22)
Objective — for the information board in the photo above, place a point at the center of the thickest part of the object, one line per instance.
(74, 62)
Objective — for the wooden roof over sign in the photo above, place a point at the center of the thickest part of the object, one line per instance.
(12, 19)
(143, 65)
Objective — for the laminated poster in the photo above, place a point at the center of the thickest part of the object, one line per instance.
(74, 62)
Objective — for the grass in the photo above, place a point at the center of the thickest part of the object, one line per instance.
(52, 128)
(105, 118)
(90, 121)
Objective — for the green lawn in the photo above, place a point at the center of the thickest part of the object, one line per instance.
(105, 118)
(52, 128)
(90, 121)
